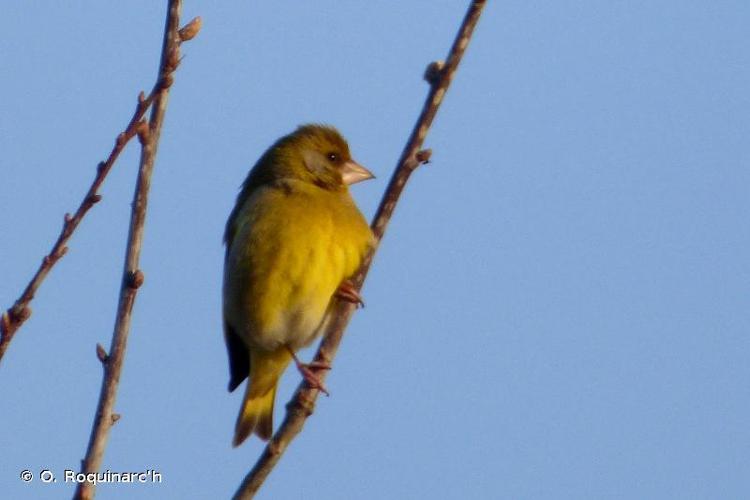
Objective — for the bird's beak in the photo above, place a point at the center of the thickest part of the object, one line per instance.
(352, 172)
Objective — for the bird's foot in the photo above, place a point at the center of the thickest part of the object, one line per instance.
(347, 292)
(307, 370)
(312, 379)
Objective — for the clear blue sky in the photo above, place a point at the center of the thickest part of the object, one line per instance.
(558, 311)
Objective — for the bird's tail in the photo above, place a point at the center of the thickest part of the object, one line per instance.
(256, 413)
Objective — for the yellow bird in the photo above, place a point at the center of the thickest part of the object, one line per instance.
(294, 238)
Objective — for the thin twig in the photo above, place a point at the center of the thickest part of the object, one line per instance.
(148, 135)
(439, 75)
(14, 317)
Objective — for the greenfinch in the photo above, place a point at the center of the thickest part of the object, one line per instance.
(293, 239)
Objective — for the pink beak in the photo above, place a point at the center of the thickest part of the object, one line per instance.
(352, 172)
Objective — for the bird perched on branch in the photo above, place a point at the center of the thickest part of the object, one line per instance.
(293, 239)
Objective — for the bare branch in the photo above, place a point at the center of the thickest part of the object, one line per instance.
(439, 76)
(12, 319)
(15, 316)
(133, 278)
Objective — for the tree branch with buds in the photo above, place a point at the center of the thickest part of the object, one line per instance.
(148, 135)
(12, 319)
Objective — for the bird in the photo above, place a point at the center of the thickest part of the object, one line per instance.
(294, 239)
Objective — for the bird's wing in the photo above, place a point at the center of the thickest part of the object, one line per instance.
(239, 357)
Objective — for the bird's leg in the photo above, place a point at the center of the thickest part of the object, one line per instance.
(308, 372)
(347, 292)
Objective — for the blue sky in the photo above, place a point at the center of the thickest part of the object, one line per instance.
(559, 308)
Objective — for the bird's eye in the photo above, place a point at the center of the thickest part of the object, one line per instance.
(333, 157)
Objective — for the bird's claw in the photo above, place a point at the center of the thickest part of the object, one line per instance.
(308, 372)
(347, 292)
(312, 378)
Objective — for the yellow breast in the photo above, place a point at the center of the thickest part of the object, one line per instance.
(292, 249)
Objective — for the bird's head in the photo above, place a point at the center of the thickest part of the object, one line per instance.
(317, 154)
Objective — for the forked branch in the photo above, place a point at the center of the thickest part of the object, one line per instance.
(19, 312)
(148, 135)
(12, 319)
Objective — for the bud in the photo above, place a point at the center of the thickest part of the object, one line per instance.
(191, 29)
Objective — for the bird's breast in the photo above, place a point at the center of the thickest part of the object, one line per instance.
(290, 263)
